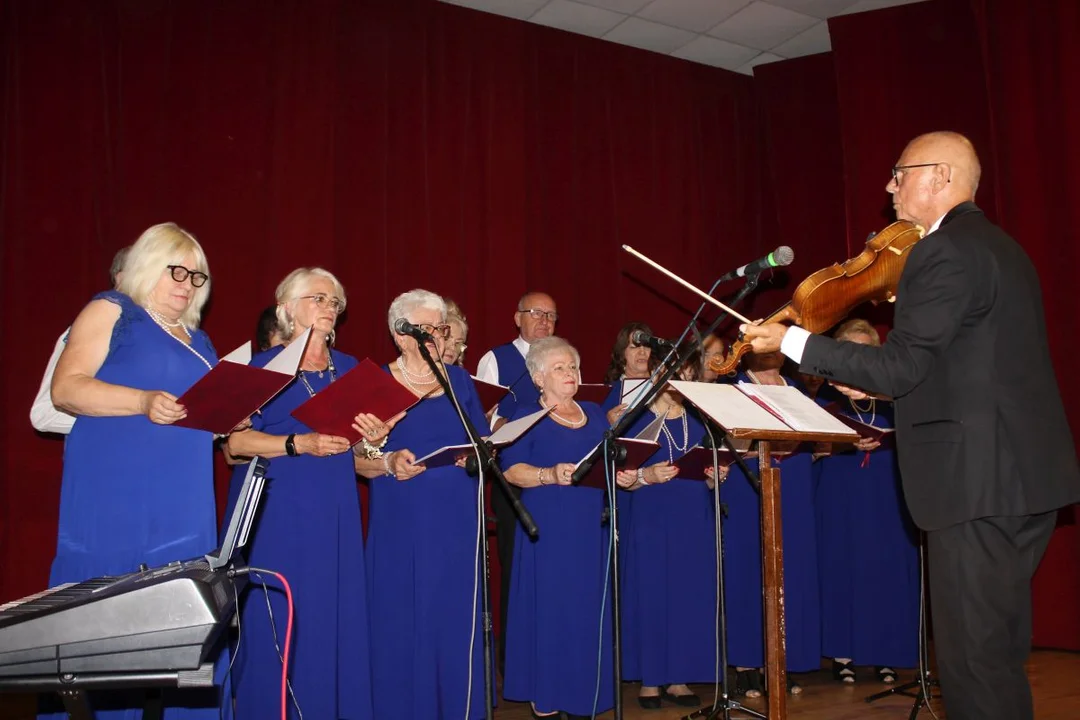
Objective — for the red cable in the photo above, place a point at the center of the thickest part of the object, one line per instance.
(288, 642)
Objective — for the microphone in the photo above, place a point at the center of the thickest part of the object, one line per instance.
(404, 327)
(658, 345)
(779, 257)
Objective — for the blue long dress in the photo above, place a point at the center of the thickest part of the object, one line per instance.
(869, 558)
(309, 530)
(137, 492)
(742, 564)
(555, 635)
(423, 580)
(669, 581)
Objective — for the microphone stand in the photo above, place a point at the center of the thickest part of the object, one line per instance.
(608, 450)
(487, 462)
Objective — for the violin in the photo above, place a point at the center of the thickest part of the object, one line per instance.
(830, 294)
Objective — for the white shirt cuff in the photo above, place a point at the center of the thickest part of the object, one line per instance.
(794, 343)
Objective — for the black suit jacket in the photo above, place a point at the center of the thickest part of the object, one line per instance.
(980, 425)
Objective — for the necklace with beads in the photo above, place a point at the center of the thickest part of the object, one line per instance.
(302, 374)
(757, 381)
(162, 322)
(415, 387)
(872, 409)
(672, 445)
(574, 424)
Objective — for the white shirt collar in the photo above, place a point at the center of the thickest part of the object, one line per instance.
(521, 345)
(936, 224)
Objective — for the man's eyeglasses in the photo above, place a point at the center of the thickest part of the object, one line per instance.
(898, 170)
(325, 301)
(537, 314)
(181, 273)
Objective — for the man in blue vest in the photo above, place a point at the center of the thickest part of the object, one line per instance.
(535, 318)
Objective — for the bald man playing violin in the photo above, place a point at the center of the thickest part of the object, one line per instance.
(985, 450)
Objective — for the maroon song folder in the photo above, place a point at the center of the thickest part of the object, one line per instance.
(885, 436)
(491, 394)
(366, 388)
(592, 392)
(638, 450)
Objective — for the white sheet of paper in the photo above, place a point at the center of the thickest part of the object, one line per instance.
(241, 355)
(651, 432)
(287, 362)
(511, 431)
(629, 386)
(728, 406)
(798, 411)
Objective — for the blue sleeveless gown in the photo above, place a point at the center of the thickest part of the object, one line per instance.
(137, 492)
(426, 635)
(669, 549)
(309, 530)
(869, 565)
(554, 631)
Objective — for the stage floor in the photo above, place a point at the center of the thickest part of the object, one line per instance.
(1053, 678)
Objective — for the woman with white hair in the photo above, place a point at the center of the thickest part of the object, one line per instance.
(308, 528)
(424, 573)
(554, 629)
(137, 489)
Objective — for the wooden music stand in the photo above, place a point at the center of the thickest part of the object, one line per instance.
(772, 556)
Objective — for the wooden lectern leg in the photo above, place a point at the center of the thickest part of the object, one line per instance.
(772, 554)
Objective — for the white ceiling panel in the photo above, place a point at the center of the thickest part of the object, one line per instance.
(519, 9)
(735, 35)
(694, 15)
(648, 35)
(809, 42)
(578, 18)
(763, 26)
(820, 9)
(718, 53)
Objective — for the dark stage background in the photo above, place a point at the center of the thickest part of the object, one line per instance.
(409, 143)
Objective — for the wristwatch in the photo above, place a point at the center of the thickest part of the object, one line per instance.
(290, 445)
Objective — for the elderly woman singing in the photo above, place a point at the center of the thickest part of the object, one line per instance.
(555, 635)
(137, 489)
(424, 569)
(308, 528)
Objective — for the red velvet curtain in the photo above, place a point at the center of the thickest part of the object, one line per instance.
(399, 143)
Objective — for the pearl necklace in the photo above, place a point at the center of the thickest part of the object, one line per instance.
(165, 325)
(672, 445)
(573, 424)
(417, 390)
(416, 376)
(752, 376)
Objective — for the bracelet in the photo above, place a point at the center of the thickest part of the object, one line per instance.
(540, 476)
(641, 476)
(373, 452)
(290, 445)
(386, 464)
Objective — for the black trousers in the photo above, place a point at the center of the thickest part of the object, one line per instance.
(506, 522)
(980, 592)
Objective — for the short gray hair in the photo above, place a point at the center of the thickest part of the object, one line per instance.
(295, 285)
(539, 351)
(411, 301)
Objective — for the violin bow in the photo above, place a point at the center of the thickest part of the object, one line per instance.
(688, 286)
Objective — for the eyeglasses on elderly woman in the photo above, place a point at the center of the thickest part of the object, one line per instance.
(180, 274)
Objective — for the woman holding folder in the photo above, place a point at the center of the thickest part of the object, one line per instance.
(308, 529)
(136, 488)
(669, 607)
(869, 569)
(424, 572)
(554, 631)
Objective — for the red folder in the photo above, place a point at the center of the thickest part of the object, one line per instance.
(637, 452)
(491, 394)
(692, 465)
(885, 436)
(228, 394)
(366, 388)
(592, 392)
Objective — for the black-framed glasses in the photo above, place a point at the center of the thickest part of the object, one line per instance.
(537, 314)
(899, 169)
(180, 274)
(326, 301)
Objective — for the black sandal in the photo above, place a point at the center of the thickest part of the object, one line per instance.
(886, 674)
(843, 671)
(749, 683)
